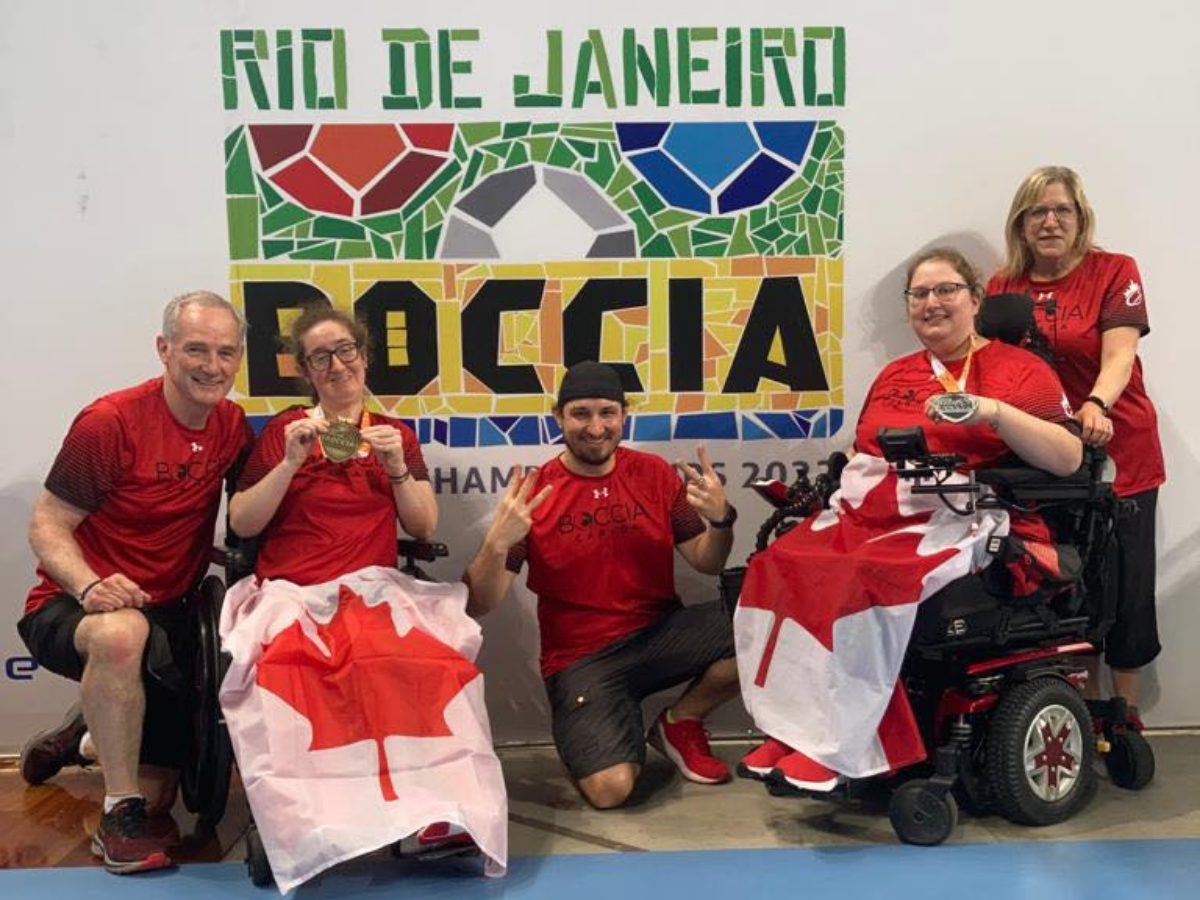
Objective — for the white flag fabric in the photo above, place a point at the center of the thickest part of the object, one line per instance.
(357, 717)
(826, 612)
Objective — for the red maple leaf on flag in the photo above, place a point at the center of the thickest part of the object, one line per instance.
(818, 577)
(373, 684)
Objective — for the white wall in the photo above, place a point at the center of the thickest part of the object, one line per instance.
(111, 201)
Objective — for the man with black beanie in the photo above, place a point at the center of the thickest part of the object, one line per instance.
(598, 526)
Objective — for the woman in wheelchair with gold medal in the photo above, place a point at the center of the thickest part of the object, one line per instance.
(325, 487)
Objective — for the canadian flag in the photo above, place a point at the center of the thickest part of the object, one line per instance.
(826, 612)
(357, 717)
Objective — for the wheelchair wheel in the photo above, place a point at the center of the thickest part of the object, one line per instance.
(1129, 761)
(921, 815)
(1040, 753)
(204, 780)
(257, 866)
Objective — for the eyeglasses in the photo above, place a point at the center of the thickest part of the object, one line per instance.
(945, 291)
(1064, 212)
(320, 360)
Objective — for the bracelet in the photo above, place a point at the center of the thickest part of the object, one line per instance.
(995, 423)
(400, 479)
(83, 594)
(1096, 400)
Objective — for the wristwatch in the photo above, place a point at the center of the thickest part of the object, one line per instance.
(730, 517)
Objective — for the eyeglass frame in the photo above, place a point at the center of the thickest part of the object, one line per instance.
(352, 348)
(1063, 212)
(920, 295)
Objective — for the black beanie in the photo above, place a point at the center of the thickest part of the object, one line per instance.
(590, 380)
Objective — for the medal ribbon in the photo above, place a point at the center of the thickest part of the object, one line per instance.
(942, 374)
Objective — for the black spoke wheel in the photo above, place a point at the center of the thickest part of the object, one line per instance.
(1129, 761)
(257, 865)
(922, 815)
(204, 780)
(1040, 753)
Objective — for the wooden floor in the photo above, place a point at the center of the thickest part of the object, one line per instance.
(51, 825)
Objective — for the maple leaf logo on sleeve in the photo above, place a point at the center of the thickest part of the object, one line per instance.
(373, 683)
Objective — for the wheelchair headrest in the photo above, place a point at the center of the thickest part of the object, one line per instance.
(1009, 318)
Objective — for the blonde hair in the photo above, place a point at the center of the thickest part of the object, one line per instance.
(1019, 258)
(966, 271)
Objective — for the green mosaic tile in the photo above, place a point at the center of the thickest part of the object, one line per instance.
(832, 203)
(658, 248)
(326, 227)
(812, 201)
(447, 177)
(303, 229)
(431, 242)
(645, 228)
(597, 131)
(601, 169)
(717, 250)
(477, 132)
(585, 149)
(382, 248)
(384, 224)
(461, 150)
(545, 128)
(741, 245)
(626, 202)
(669, 218)
(722, 225)
(241, 215)
(540, 147)
(272, 249)
(769, 232)
(232, 140)
(239, 173)
(518, 155)
(414, 239)
(707, 238)
(496, 150)
(649, 199)
(821, 143)
(355, 250)
(473, 167)
(757, 218)
(284, 216)
(562, 156)
(515, 130)
(680, 242)
(326, 250)
(269, 196)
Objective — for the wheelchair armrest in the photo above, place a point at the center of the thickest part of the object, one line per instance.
(426, 551)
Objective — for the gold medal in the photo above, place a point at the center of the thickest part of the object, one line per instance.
(340, 440)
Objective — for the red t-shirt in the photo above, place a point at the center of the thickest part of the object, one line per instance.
(601, 553)
(151, 488)
(998, 370)
(1104, 291)
(335, 517)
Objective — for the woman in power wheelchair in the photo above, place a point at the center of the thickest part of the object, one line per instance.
(351, 696)
(826, 612)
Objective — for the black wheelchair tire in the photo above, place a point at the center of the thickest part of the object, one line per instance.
(1129, 761)
(258, 867)
(1018, 725)
(921, 815)
(204, 781)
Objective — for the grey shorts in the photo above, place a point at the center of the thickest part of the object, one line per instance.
(596, 702)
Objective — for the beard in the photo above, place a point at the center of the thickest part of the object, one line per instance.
(592, 453)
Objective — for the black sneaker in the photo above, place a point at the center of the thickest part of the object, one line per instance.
(46, 753)
(125, 841)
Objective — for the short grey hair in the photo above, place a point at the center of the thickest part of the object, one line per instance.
(205, 299)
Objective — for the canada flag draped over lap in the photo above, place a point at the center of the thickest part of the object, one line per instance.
(357, 716)
(826, 612)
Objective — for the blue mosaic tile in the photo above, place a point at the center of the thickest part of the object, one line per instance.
(441, 431)
(676, 186)
(551, 433)
(783, 425)
(462, 431)
(712, 426)
(490, 435)
(525, 431)
(787, 139)
(652, 428)
(752, 431)
(640, 135)
(711, 151)
(755, 185)
(424, 429)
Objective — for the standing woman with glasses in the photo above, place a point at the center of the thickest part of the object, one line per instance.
(1091, 306)
(326, 486)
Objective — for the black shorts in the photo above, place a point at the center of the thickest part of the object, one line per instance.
(596, 702)
(49, 633)
(1132, 641)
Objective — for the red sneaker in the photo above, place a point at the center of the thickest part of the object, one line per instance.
(125, 841)
(45, 754)
(685, 743)
(806, 774)
(759, 762)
